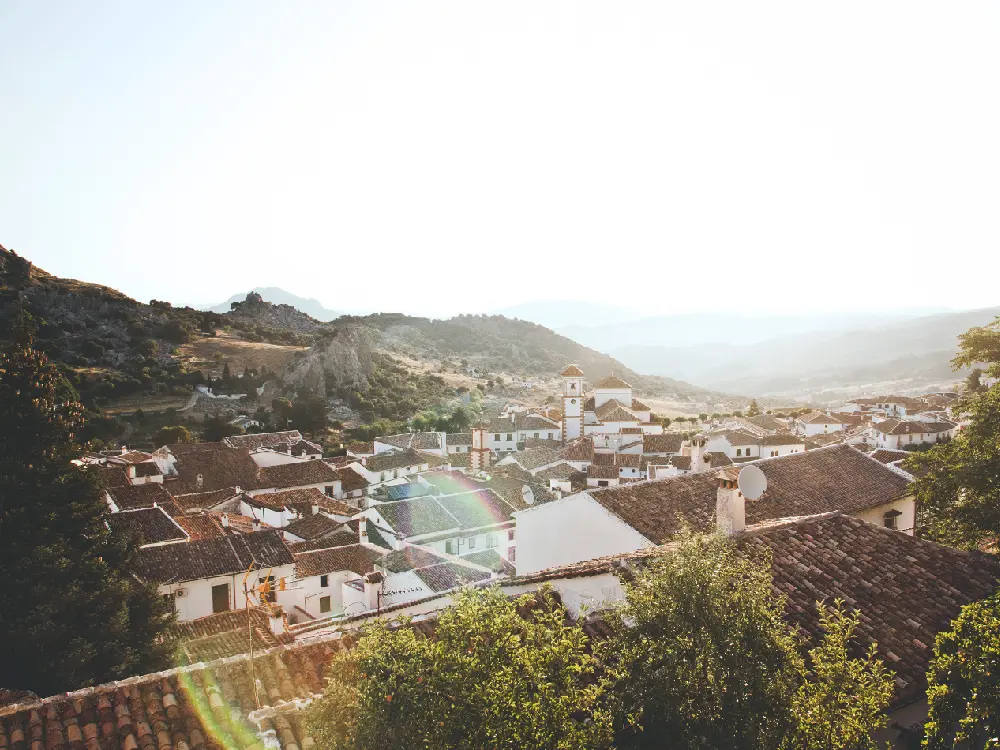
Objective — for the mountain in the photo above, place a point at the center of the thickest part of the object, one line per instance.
(311, 307)
(911, 353)
(113, 346)
(693, 329)
(563, 313)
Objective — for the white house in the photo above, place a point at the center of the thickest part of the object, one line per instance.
(210, 575)
(622, 519)
(894, 434)
(818, 423)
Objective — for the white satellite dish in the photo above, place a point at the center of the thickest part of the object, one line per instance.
(752, 482)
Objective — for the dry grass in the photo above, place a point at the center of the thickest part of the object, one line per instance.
(210, 354)
(453, 379)
(146, 403)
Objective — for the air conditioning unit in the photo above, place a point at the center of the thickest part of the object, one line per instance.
(180, 593)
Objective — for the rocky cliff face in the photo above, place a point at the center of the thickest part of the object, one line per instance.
(341, 358)
(254, 309)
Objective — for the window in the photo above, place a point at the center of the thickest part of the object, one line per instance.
(171, 601)
(324, 581)
(328, 490)
(774, 453)
(572, 400)
(510, 535)
(220, 598)
(324, 604)
(602, 482)
(890, 519)
(472, 542)
(536, 436)
(491, 541)
(449, 546)
(739, 451)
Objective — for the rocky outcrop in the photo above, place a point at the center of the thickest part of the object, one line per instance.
(343, 357)
(254, 309)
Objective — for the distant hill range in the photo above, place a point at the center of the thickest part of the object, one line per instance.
(311, 307)
(113, 345)
(869, 356)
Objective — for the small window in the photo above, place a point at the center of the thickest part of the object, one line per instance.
(497, 437)
(510, 535)
(739, 451)
(491, 541)
(272, 590)
(328, 491)
(891, 519)
(324, 604)
(472, 542)
(324, 581)
(572, 400)
(602, 482)
(536, 436)
(775, 453)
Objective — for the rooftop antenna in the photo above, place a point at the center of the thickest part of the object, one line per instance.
(752, 482)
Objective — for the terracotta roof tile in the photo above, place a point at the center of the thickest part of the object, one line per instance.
(297, 474)
(886, 456)
(666, 443)
(906, 427)
(828, 479)
(356, 558)
(258, 440)
(312, 527)
(408, 558)
(208, 558)
(148, 525)
(612, 382)
(572, 372)
(449, 575)
(581, 449)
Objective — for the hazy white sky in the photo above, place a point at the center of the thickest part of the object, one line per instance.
(466, 156)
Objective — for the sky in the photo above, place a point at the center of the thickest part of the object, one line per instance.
(465, 156)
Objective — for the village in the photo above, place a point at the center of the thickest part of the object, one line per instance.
(260, 543)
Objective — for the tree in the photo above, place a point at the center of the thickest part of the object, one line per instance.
(308, 413)
(703, 417)
(973, 383)
(216, 428)
(842, 699)
(282, 409)
(497, 674)
(958, 497)
(460, 419)
(753, 410)
(963, 681)
(73, 614)
(703, 658)
(172, 435)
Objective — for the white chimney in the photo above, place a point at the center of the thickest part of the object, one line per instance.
(730, 506)
(200, 481)
(697, 453)
(276, 620)
(255, 524)
(315, 508)
(224, 520)
(363, 530)
(373, 587)
(124, 449)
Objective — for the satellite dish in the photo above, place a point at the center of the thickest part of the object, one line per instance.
(752, 482)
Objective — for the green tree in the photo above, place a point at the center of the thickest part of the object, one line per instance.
(703, 417)
(308, 413)
(963, 681)
(460, 420)
(72, 613)
(704, 659)
(216, 428)
(753, 410)
(958, 497)
(282, 409)
(172, 435)
(497, 674)
(841, 699)
(973, 383)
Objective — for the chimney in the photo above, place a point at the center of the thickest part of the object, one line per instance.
(131, 471)
(124, 449)
(315, 508)
(224, 520)
(276, 619)
(255, 524)
(363, 530)
(730, 506)
(373, 587)
(698, 464)
(200, 481)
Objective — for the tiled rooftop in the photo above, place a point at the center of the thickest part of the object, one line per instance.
(148, 525)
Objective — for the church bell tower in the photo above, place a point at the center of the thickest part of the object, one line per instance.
(572, 403)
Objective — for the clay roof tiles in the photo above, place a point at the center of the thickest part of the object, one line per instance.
(800, 484)
(612, 382)
(357, 558)
(148, 525)
(572, 372)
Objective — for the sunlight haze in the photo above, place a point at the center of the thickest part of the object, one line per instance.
(473, 156)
